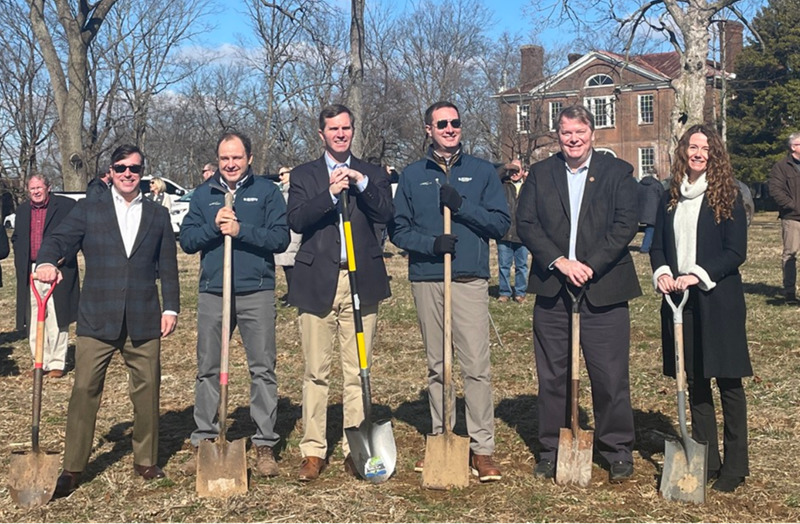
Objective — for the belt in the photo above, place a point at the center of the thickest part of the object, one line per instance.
(343, 265)
(466, 279)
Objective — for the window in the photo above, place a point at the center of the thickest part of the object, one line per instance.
(602, 107)
(647, 161)
(646, 109)
(599, 80)
(555, 109)
(523, 118)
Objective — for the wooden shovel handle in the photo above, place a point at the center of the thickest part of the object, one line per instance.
(448, 330)
(226, 327)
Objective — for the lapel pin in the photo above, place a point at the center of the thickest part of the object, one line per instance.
(591, 179)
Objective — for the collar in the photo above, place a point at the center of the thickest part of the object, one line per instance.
(443, 162)
(584, 166)
(120, 199)
(43, 205)
(332, 162)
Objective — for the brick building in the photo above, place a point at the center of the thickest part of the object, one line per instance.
(631, 99)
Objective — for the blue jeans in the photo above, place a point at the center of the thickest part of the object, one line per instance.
(518, 253)
(648, 239)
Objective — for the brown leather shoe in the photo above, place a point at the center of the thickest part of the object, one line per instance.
(350, 466)
(419, 465)
(484, 468)
(55, 373)
(67, 482)
(519, 299)
(265, 462)
(311, 468)
(149, 472)
(503, 298)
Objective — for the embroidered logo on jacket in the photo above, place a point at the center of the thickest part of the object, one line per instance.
(250, 199)
(465, 179)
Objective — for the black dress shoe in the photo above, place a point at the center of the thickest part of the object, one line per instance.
(712, 474)
(545, 469)
(149, 472)
(727, 484)
(67, 482)
(620, 471)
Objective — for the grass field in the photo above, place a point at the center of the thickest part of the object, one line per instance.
(111, 493)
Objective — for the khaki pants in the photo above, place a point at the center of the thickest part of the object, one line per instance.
(55, 340)
(317, 335)
(790, 230)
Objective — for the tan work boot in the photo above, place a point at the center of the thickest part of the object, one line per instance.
(265, 462)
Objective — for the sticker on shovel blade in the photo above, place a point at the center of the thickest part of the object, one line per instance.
(374, 467)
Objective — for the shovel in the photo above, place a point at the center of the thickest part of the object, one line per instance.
(447, 454)
(222, 465)
(574, 461)
(685, 461)
(32, 476)
(372, 446)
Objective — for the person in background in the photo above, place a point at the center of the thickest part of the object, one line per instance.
(784, 187)
(510, 249)
(99, 184)
(36, 218)
(471, 189)
(125, 240)
(208, 171)
(158, 193)
(700, 242)
(286, 258)
(4, 247)
(649, 195)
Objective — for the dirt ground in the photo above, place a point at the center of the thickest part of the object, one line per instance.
(111, 493)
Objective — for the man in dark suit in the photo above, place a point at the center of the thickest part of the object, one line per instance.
(37, 218)
(125, 240)
(320, 283)
(577, 213)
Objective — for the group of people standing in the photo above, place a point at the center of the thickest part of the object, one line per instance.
(576, 212)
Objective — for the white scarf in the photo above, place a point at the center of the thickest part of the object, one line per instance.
(687, 213)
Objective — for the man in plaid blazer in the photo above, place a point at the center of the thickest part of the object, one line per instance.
(127, 242)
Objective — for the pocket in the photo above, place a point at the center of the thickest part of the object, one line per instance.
(304, 257)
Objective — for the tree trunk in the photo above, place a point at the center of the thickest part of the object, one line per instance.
(356, 70)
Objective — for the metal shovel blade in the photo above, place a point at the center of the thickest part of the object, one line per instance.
(684, 474)
(221, 468)
(373, 450)
(574, 459)
(446, 461)
(32, 477)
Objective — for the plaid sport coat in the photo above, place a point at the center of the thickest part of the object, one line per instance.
(118, 289)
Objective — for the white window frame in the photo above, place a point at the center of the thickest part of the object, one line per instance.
(647, 161)
(644, 101)
(601, 80)
(523, 118)
(605, 118)
(555, 109)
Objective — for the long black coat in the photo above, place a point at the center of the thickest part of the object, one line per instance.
(67, 294)
(313, 214)
(4, 248)
(721, 249)
(119, 288)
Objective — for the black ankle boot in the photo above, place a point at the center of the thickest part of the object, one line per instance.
(727, 483)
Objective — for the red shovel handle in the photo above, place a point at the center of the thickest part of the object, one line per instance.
(41, 301)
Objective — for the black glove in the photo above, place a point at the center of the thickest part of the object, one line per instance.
(445, 244)
(449, 197)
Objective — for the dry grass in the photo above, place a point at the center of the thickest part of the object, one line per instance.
(111, 493)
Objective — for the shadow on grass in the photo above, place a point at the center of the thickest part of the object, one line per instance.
(417, 413)
(8, 367)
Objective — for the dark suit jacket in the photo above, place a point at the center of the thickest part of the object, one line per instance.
(721, 249)
(608, 221)
(67, 293)
(313, 215)
(4, 248)
(119, 289)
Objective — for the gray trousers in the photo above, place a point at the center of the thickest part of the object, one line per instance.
(790, 232)
(254, 313)
(471, 341)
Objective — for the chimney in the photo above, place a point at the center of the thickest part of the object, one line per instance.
(733, 42)
(532, 65)
(573, 56)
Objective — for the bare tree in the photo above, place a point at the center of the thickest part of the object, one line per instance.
(355, 97)
(68, 72)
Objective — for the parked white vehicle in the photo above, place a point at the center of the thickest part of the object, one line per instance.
(10, 220)
(178, 210)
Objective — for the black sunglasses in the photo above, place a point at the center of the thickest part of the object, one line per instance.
(442, 124)
(135, 168)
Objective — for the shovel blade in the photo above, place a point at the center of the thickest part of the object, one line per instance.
(684, 474)
(574, 460)
(32, 478)
(373, 450)
(446, 461)
(221, 468)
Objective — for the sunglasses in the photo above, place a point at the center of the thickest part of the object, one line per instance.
(135, 168)
(442, 124)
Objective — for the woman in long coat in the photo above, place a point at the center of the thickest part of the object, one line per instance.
(700, 242)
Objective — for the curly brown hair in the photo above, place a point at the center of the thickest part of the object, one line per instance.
(722, 188)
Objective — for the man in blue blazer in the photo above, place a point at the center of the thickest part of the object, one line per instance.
(577, 213)
(320, 283)
(127, 243)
